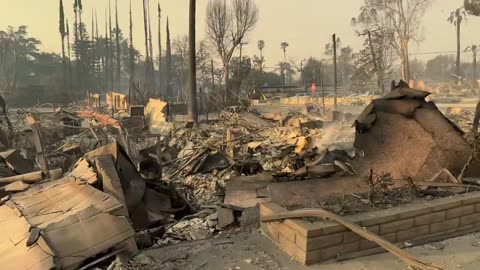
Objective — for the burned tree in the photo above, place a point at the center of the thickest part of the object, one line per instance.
(226, 28)
(399, 19)
(62, 36)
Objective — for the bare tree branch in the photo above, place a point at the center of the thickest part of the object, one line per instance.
(227, 27)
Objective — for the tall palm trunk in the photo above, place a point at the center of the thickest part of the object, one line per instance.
(63, 62)
(192, 97)
(98, 55)
(150, 46)
(107, 56)
(62, 36)
(111, 49)
(93, 70)
(69, 58)
(76, 39)
(160, 79)
(117, 41)
(147, 50)
(458, 71)
(132, 60)
(82, 66)
(168, 68)
(261, 60)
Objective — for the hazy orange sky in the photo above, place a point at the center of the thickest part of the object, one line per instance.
(307, 25)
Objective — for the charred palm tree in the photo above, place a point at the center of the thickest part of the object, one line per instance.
(456, 18)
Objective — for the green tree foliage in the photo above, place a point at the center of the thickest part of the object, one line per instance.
(345, 63)
(87, 62)
(312, 71)
(17, 50)
(240, 72)
(24, 68)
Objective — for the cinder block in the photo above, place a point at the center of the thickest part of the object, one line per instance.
(334, 228)
(374, 229)
(316, 243)
(284, 230)
(271, 231)
(430, 218)
(477, 207)
(314, 229)
(304, 227)
(444, 203)
(413, 233)
(445, 225)
(470, 219)
(375, 218)
(471, 198)
(414, 210)
(291, 249)
(396, 226)
(269, 208)
(351, 236)
(331, 252)
(460, 211)
(367, 244)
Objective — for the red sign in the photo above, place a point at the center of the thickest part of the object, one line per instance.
(314, 87)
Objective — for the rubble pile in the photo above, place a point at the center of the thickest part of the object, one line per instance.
(462, 117)
(202, 161)
(151, 182)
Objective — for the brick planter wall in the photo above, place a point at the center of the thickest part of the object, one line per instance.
(313, 242)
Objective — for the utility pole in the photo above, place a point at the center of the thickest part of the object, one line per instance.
(192, 101)
(334, 71)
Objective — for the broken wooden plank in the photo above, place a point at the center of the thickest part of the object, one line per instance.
(28, 177)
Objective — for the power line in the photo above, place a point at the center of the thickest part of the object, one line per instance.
(444, 52)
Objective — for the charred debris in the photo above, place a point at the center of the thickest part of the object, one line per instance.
(83, 187)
